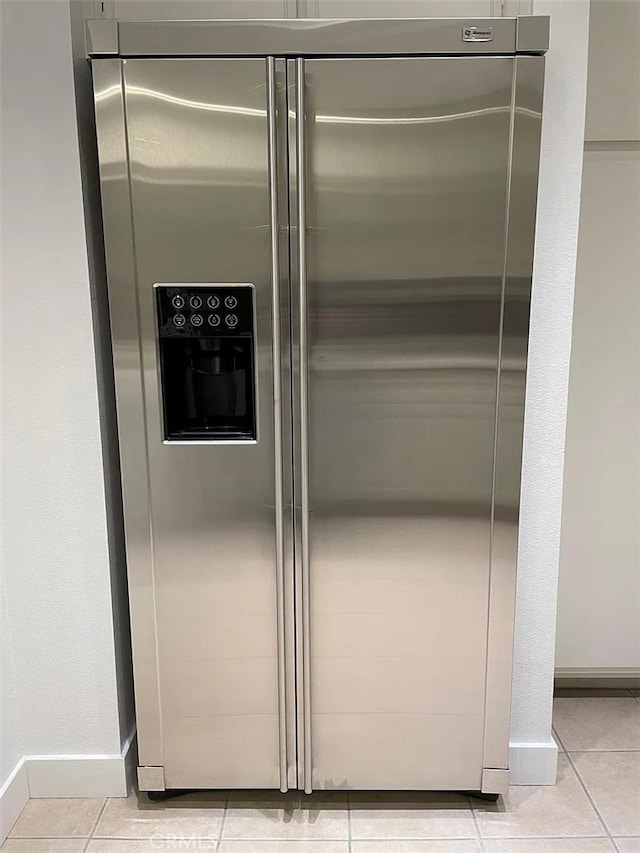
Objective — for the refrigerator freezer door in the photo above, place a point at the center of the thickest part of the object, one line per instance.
(405, 184)
(208, 614)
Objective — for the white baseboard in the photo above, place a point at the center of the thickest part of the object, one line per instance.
(14, 795)
(82, 775)
(601, 677)
(533, 763)
(111, 775)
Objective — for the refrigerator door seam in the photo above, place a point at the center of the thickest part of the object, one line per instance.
(304, 423)
(277, 419)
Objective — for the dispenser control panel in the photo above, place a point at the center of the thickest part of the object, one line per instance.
(208, 376)
(205, 310)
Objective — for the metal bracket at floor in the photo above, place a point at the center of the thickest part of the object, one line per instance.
(151, 779)
(495, 781)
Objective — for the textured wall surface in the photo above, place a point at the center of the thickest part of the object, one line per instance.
(613, 92)
(11, 747)
(547, 381)
(54, 535)
(599, 594)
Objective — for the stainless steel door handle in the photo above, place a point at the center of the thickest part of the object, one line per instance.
(277, 417)
(304, 420)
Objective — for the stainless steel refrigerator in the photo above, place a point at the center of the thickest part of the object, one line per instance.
(319, 239)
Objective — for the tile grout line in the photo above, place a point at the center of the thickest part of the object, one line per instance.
(590, 798)
(95, 824)
(222, 822)
(412, 838)
(477, 825)
(379, 838)
(617, 838)
(567, 751)
(59, 837)
(559, 743)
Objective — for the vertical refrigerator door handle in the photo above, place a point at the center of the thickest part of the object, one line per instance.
(304, 420)
(277, 417)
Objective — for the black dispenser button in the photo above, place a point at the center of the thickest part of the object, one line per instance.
(231, 320)
(195, 302)
(177, 301)
(196, 320)
(213, 302)
(230, 302)
(214, 320)
(179, 320)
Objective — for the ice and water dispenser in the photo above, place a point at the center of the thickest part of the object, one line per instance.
(207, 362)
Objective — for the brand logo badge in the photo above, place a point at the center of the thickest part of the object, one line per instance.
(477, 34)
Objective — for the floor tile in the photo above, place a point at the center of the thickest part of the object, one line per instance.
(597, 723)
(636, 692)
(628, 845)
(196, 816)
(54, 818)
(269, 798)
(549, 845)
(613, 781)
(557, 740)
(43, 845)
(279, 817)
(284, 847)
(560, 810)
(406, 815)
(438, 845)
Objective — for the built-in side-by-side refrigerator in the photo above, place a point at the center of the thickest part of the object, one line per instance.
(319, 241)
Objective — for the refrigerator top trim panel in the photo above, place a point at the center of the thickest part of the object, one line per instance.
(317, 37)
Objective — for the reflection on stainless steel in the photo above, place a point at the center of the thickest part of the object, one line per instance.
(406, 242)
(294, 272)
(303, 413)
(229, 109)
(330, 606)
(213, 507)
(274, 225)
(320, 37)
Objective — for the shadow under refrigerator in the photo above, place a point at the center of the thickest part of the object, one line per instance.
(319, 240)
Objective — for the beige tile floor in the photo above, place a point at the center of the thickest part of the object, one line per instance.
(594, 808)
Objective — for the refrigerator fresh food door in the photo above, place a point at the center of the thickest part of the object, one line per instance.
(400, 187)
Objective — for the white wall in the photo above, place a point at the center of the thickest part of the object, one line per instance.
(140, 10)
(547, 381)
(59, 637)
(599, 595)
(11, 741)
(613, 88)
